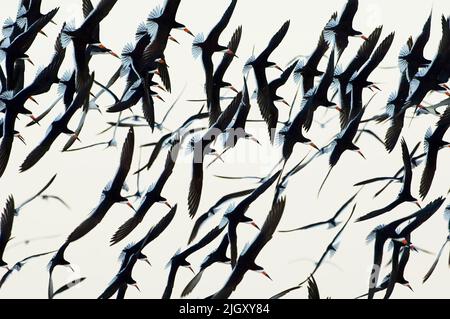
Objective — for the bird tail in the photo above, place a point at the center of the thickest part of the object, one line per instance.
(192, 284)
(3, 46)
(402, 58)
(68, 29)
(196, 49)
(247, 65)
(298, 68)
(151, 25)
(281, 136)
(141, 31)
(328, 33)
(8, 27)
(126, 55)
(21, 19)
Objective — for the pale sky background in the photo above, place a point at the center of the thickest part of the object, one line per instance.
(288, 258)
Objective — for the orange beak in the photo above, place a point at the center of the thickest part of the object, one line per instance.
(266, 275)
(254, 225)
(171, 38)
(376, 87)
(32, 99)
(232, 88)
(148, 262)
(114, 54)
(137, 287)
(188, 31)
(338, 108)
(254, 139)
(364, 38)
(130, 205)
(278, 68)
(159, 86)
(20, 137)
(313, 145)
(361, 153)
(285, 103)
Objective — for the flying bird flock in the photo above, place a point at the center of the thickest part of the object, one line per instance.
(336, 88)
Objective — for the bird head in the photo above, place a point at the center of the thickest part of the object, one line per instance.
(259, 270)
(99, 48)
(248, 220)
(226, 85)
(126, 201)
(183, 28)
(144, 258)
(274, 66)
(415, 201)
(312, 144)
(133, 283)
(277, 98)
(357, 150)
(184, 263)
(26, 58)
(407, 284)
(164, 201)
(444, 144)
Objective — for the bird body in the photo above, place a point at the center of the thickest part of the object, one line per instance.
(152, 197)
(110, 195)
(405, 193)
(259, 64)
(248, 257)
(433, 144)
